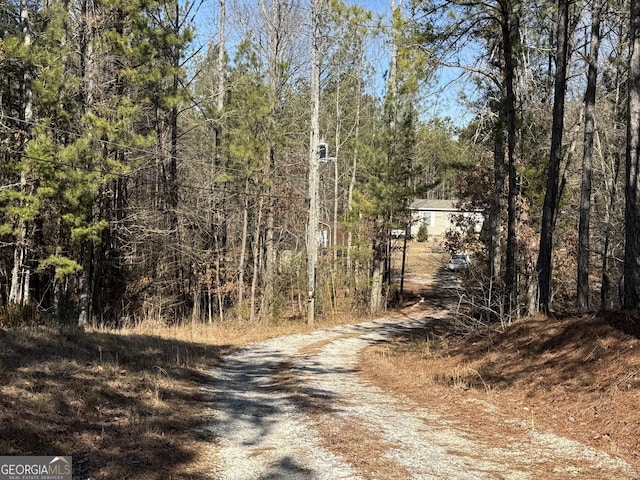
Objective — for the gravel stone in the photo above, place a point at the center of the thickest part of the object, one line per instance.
(263, 432)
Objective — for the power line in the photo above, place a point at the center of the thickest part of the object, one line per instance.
(150, 153)
(64, 164)
(58, 130)
(213, 187)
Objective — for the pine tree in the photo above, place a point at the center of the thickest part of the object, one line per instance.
(632, 186)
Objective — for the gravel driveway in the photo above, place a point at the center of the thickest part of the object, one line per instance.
(295, 408)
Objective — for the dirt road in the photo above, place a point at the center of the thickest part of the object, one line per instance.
(295, 408)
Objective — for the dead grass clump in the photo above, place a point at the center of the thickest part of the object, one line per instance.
(353, 441)
(236, 332)
(361, 446)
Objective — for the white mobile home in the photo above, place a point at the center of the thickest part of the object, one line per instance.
(437, 215)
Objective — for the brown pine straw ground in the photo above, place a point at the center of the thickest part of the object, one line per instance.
(577, 376)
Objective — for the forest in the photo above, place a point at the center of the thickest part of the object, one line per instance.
(150, 172)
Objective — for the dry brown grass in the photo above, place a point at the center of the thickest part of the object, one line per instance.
(123, 403)
(577, 376)
(129, 404)
(361, 446)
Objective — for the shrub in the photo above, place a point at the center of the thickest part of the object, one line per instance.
(423, 233)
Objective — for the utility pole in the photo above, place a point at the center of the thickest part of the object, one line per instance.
(312, 226)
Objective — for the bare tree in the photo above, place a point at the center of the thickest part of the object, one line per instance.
(21, 271)
(509, 30)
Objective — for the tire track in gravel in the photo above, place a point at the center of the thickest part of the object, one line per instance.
(288, 408)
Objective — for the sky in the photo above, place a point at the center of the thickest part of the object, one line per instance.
(441, 100)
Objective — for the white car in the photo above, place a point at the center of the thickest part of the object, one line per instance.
(459, 261)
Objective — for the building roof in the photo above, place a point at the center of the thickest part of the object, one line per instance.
(432, 204)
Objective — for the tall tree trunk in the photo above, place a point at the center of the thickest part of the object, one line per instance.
(352, 186)
(631, 292)
(509, 38)
(221, 83)
(314, 136)
(256, 248)
(612, 189)
(584, 249)
(377, 272)
(270, 254)
(219, 294)
(243, 244)
(274, 63)
(334, 226)
(615, 165)
(495, 212)
(545, 253)
(174, 197)
(20, 272)
(84, 286)
(380, 236)
(20, 268)
(18, 291)
(219, 219)
(87, 89)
